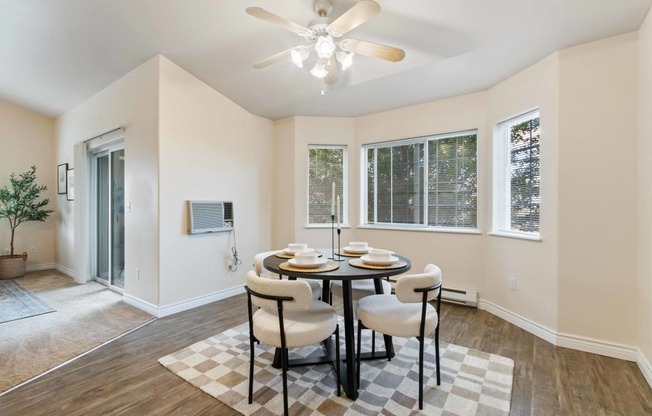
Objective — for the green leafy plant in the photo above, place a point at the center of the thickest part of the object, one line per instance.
(19, 201)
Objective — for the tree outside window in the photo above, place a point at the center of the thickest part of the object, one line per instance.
(326, 165)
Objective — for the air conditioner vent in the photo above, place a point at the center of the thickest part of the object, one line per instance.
(209, 217)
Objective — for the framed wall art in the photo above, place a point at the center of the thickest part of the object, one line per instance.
(62, 178)
(70, 190)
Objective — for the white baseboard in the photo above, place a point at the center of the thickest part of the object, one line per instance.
(140, 304)
(609, 349)
(40, 266)
(162, 311)
(645, 367)
(65, 270)
(521, 322)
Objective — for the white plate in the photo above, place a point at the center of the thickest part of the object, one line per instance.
(367, 260)
(320, 262)
(350, 250)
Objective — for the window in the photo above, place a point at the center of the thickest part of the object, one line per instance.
(427, 182)
(326, 165)
(517, 179)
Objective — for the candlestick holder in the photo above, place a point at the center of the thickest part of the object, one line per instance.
(332, 257)
(339, 256)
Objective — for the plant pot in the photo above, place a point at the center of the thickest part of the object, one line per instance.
(14, 266)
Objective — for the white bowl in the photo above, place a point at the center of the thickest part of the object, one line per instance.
(317, 263)
(306, 257)
(392, 259)
(296, 247)
(377, 254)
(358, 245)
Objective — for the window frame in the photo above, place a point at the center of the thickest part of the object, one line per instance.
(423, 226)
(345, 185)
(501, 224)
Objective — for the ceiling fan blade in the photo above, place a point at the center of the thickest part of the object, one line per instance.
(272, 59)
(333, 72)
(376, 50)
(355, 16)
(276, 20)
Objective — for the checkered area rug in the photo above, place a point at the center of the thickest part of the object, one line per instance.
(472, 382)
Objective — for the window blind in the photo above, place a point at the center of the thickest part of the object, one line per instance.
(326, 165)
(429, 181)
(525, 175)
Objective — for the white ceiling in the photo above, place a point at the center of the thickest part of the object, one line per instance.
(54, 54)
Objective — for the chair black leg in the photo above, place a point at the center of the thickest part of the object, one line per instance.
(373, 342)
(420, 372)
(437, 355)
(359, 351)
(251, 369)
(284, 358)
(337, 358)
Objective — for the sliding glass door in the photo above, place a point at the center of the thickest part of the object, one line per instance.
(108, 184)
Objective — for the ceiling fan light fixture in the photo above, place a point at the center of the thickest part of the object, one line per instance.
(319, 71)
(325, 47)
(299, 55)
(345, 59)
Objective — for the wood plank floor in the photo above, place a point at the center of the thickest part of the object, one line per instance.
(124, 377)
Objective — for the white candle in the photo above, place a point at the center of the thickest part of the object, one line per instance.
(338, 212)
(333, 201)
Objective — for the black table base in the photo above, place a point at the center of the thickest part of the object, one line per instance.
(329, 358)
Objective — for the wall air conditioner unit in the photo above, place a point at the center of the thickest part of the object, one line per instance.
(460, 296)
(210, 217)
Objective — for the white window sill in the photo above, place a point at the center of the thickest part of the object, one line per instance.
(517, 235)
(323, 226)
(474, 231)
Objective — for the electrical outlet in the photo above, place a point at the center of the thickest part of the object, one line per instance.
(137, 273)
(512, 283)
(32, 249)
(6, 251)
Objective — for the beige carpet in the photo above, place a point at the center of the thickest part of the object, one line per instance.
(85, 316)
(472, 382)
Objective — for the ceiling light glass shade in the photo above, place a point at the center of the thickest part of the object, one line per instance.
(325, 47)
(345, 58)
(299, 55)
(319, 71)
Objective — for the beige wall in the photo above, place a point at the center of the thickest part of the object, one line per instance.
(28, 139)
(210, 149)
(283, 198)
(644, 312)
(131, 102)
(532, 263)
(598, 189)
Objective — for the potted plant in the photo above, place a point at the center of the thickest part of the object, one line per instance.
(19, 203)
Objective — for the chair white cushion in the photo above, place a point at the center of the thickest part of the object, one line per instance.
(297, 289)
(388, 315)
(263, 272)
(302, 328)
(406, 284)
(359, 288)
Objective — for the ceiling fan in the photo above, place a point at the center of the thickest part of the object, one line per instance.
(326, 38)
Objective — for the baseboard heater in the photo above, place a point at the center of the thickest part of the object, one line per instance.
(460, 296)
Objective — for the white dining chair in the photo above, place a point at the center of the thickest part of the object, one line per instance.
(406, 314)
(288, 318)
(261, 271)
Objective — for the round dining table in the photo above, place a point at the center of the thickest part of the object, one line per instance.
(346, 273)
